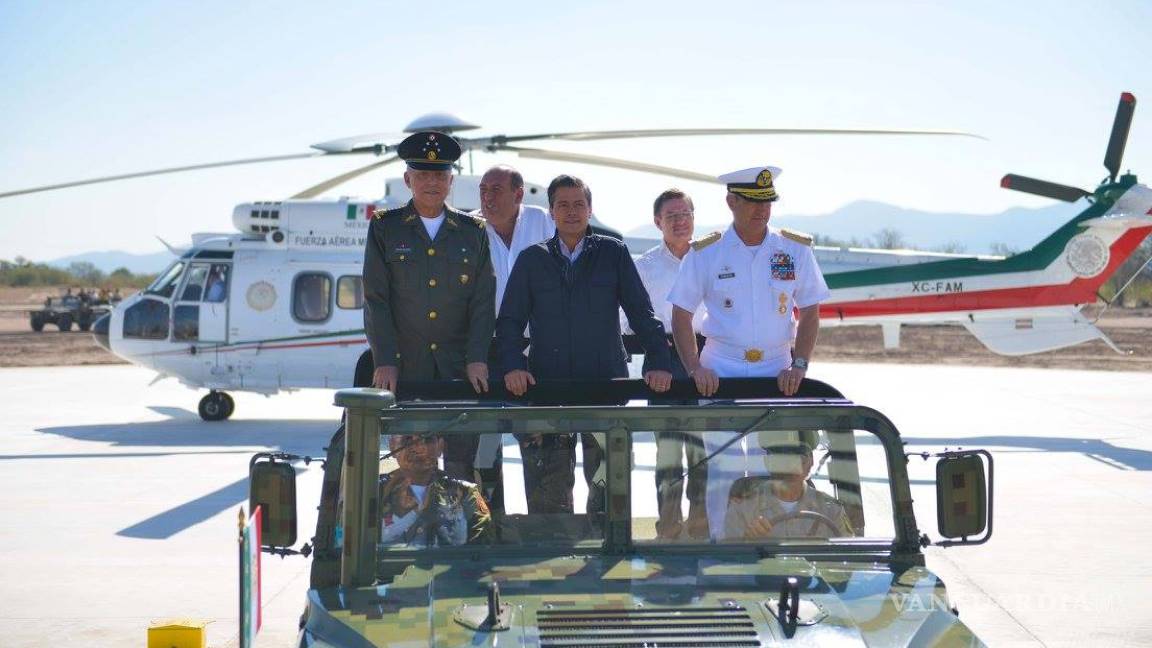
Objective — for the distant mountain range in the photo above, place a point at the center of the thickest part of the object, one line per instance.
(113, 259)
(1018, 228)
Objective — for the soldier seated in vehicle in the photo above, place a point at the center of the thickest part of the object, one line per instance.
(421, 506)
(785, 503)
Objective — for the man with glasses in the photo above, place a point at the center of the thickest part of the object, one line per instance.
(673, 214)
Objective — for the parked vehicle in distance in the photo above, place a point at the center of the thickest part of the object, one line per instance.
(67, 310)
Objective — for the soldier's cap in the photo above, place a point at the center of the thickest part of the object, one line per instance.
(755, 183)
(789, 442)
(429, 151)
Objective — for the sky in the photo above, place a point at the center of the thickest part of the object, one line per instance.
(93, 89)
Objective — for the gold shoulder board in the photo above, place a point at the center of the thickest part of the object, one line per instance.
(799, 237)
(705, 241)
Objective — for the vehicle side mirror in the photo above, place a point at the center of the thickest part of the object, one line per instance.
(272, 487)
(963, 497)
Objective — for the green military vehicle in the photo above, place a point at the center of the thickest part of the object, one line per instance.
(62, 312)
(849, 571)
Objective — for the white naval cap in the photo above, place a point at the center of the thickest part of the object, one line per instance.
(753, 184)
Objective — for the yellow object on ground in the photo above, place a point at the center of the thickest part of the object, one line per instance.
(178, 633)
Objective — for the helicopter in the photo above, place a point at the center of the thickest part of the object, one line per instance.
(278, 304)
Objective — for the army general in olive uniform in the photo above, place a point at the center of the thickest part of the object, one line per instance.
(429, 288)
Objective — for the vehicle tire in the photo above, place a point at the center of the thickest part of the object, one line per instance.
(213, 407)
(229, 404)
(64, 323)
(37, 323)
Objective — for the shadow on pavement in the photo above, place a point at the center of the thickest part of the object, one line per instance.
(294, 436)
(183, 434)
(1117, 457)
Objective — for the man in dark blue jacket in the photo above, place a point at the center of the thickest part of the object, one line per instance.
(568, 290)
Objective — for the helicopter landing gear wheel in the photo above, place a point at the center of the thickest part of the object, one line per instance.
(216, 406)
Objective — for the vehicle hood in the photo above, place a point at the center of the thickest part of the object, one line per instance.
(635, 601)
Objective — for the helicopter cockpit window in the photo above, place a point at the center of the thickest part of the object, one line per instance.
(217, 288)
(312, 297)
(185, 323)
(147, 320)
(194, 287)
(350, 292)
(166, 283)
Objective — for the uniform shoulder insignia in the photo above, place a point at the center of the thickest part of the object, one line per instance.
(380, 215)
(705, 241)
(799, 237)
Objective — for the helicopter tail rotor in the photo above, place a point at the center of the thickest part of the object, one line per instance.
(1116, 142)
(1119, 137)
(1042, 188)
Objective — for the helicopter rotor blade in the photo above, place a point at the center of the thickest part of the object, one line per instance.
(497, 142)
(359, 143)
(316, 190)
(144, 174)
(1043, 188)
(1119, 137)
(597, 160)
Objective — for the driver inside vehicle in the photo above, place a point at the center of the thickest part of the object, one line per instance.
(784, 504)
(421, 506)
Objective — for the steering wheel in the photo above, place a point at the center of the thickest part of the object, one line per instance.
(818, 519)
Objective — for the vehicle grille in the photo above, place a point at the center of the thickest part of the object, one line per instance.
(715, 627)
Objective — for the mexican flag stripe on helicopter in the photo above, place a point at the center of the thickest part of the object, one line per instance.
(361, 212)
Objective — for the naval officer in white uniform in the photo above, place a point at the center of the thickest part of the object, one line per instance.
(762, 291)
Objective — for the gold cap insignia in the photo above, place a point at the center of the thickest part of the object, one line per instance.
(764, 179)
(431, 155)
(463, 278)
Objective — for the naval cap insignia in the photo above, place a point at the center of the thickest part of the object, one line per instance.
(431, 155)
(764, 179)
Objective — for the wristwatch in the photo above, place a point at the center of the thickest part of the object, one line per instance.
(800, 363)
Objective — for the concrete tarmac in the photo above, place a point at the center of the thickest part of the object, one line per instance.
(120, 506)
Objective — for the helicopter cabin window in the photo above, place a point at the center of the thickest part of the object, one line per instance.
(312, 297)
(166, 283)
(350, 292)
(147, 320)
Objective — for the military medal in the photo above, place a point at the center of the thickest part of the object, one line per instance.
(783, 304)
(783, 268)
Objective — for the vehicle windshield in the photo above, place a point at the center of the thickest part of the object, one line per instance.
(657, 475)
(166, 282)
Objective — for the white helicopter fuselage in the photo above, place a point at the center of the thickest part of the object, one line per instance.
(288, 312)
(280, 306)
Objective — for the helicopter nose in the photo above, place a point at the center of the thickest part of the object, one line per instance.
(100, 331)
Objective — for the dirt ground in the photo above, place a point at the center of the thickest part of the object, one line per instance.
(1130, 329)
